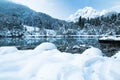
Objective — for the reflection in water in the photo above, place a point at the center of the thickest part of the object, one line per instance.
(72, 45)
(110, 48)
(63, 44)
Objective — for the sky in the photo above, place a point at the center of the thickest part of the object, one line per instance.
(62, 9)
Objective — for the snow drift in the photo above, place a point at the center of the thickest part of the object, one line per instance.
(45, 62)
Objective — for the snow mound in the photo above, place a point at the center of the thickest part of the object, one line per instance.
(45, 47)
(93, 51)
(52, 64)
(6, 50)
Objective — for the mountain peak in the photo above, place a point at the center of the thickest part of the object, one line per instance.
(87, 8)
(89, 12)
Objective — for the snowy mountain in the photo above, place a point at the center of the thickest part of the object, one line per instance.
(18, 20)
(14, 16)
(89, 12)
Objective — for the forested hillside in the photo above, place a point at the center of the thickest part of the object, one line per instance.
(100, 25)
(17, 20)
(14, 18)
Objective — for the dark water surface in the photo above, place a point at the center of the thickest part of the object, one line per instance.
(28, 42)
(72, 45)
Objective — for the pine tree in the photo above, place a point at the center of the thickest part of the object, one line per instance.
(81, 22)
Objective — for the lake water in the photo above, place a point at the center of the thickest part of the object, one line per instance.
(72, 45)
(30, 43)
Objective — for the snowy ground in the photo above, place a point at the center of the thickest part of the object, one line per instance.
(45, 62)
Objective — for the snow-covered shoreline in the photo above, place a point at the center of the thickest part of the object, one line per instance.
(46, 62)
